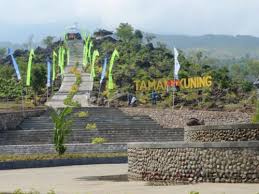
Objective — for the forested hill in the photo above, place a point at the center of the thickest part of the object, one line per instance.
(215, 46)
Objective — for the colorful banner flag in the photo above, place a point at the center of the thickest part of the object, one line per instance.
(10, 52)
(28, 80)
(68, 56)
(176, 64)
(48, 72)
(95, 55)
(63, 52)
(60, 58)
(54, 55)
(110, 81)
(103, 69)
(86, 47)
(89, 51)
(65, 38)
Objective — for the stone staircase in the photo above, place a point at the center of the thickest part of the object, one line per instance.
(112, 124)
(86, 86)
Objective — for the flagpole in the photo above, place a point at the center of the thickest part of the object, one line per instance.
(52, 88)
(47, 93)
(22, 103)
(176, 70)
(99, 93)
(173, 92)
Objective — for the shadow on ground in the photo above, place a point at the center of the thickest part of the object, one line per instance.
(111, 178)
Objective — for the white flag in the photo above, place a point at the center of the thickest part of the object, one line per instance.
(176, 64)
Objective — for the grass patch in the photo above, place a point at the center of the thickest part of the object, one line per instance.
(16, 157)
(16, 106)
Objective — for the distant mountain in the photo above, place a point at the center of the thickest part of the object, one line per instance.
(10, 45)
(216, 46)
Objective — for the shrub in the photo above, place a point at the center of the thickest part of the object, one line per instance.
(82, 114)
(19, 191)
(98, 140)
(74, 89)
(90, 126)
(33, 157)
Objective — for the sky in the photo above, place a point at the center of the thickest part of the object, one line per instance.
(21, 18)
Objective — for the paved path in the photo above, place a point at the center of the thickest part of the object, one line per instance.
(70, 180)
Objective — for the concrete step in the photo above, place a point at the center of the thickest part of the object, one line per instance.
(85, 137)
(112, 124)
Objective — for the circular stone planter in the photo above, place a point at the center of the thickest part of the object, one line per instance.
(181, 162)
(219, 133)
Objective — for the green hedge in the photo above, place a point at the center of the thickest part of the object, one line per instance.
(14, 157)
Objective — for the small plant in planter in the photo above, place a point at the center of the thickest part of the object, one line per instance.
(62, 127)
(90, 126)
(82, 114)
(98, 140)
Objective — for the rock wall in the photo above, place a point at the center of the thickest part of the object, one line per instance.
(218, 133)
(71, 148)
(178, 118)
(227, 162)
(10, 120)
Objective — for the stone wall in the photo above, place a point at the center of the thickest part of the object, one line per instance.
(10, 120)
(217, 133)
(21, 164)
(225, 162)
(71, 148)
(178, 118)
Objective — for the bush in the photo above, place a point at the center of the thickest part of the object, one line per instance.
(82, 114)
(33, 157)
(255, 118)
(19, 191)
(90, 126)
(69, 99)
(98, 140)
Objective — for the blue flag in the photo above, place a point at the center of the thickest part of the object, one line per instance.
(103, 70)
(10, 52)
(49, 69)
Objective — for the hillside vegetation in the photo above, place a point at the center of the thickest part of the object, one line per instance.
(141, 59)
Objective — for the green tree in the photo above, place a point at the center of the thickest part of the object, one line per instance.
(149, 37)
(253, 68)
(138, 34)
(125, 32)
(2, 52)
(48, 41)
(62, 127)
(6, 71)
(39, 80)
(199, 56)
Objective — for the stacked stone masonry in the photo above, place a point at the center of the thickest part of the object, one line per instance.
(10, 120)
(224, 162)
(219, 133)
(71, 148)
